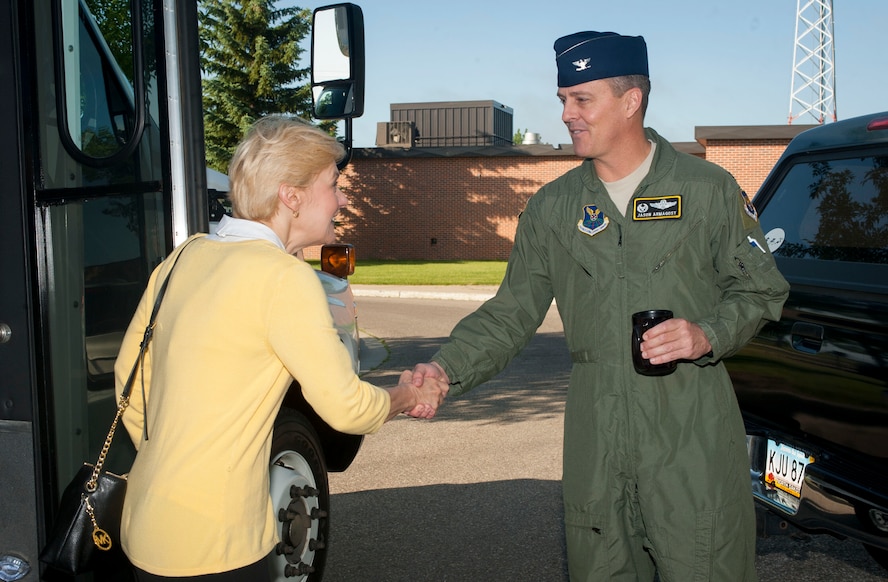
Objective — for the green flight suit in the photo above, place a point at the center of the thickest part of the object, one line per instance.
(656, 474)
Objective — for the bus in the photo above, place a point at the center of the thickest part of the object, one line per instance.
(103, 173)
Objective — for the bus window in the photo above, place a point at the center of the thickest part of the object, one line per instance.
(102, 217)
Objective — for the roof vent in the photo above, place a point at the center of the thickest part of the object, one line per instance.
(396, 133)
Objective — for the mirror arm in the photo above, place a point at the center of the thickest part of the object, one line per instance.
(347, 142)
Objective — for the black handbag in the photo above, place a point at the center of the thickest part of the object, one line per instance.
(78, 541)
(87, 527)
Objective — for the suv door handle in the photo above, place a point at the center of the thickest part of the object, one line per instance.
(807, 337)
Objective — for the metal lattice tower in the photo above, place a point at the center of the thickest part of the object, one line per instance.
(813, 72)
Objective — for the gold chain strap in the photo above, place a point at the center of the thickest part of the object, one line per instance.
(93, 482)
(100, 537)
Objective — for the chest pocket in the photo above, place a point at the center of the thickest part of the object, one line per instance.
(677, 243)
(680, 271)
(579, 264)
(579, 271)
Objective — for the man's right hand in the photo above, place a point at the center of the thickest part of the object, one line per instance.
(430, 370)
(436, 376)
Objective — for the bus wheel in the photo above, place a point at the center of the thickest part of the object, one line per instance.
(301, 498)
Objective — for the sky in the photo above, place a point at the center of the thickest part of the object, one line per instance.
(712, 62)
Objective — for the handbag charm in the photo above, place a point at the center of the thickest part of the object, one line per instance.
(100, 537)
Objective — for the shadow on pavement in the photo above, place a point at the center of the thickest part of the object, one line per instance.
(449, 532)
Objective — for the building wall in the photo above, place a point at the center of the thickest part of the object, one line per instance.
(429, 206)
(440, 208)
(748, 160)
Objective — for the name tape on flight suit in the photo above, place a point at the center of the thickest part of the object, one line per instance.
(659, 208)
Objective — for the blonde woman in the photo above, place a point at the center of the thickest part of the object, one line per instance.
(241, 317)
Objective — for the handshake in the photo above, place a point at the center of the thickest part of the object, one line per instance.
(424, 389)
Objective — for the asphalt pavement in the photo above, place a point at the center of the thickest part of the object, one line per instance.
(373, 352)
(419, 476)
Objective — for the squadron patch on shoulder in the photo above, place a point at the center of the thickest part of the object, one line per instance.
(593, 220)
(749, 207)
(659, 208)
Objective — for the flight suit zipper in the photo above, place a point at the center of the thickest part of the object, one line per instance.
(676, 247)
(742, 267)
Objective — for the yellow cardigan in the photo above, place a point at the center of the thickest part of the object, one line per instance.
(238, 320)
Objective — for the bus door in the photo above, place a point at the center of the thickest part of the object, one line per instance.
(18, 472)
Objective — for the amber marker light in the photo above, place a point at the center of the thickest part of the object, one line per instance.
(338, 260)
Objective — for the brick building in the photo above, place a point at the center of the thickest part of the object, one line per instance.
(448, 203)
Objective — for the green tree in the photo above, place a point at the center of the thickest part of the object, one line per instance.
(250, 54)
(518, 138)
(114, 20)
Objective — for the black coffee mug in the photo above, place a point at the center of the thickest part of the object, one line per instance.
(641, 322)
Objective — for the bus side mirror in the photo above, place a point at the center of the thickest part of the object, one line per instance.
(337, 61)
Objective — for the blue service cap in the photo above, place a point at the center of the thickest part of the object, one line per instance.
(588, 56)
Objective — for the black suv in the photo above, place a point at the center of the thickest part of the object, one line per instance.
(813, 387)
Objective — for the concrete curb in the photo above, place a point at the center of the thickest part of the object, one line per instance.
(455, 294)
(404, 294)
(373, 354)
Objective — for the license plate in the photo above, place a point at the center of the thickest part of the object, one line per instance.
(785, 467)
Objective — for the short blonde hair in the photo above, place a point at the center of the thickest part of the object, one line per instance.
(277, 150)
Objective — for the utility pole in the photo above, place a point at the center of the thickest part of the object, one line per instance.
(813, 88)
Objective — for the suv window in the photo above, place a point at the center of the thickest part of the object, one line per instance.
(831, 210)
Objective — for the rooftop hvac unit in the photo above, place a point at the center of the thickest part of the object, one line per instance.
(457, 123)
(396, 133)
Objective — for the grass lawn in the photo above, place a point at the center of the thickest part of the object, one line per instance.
(371, 272)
